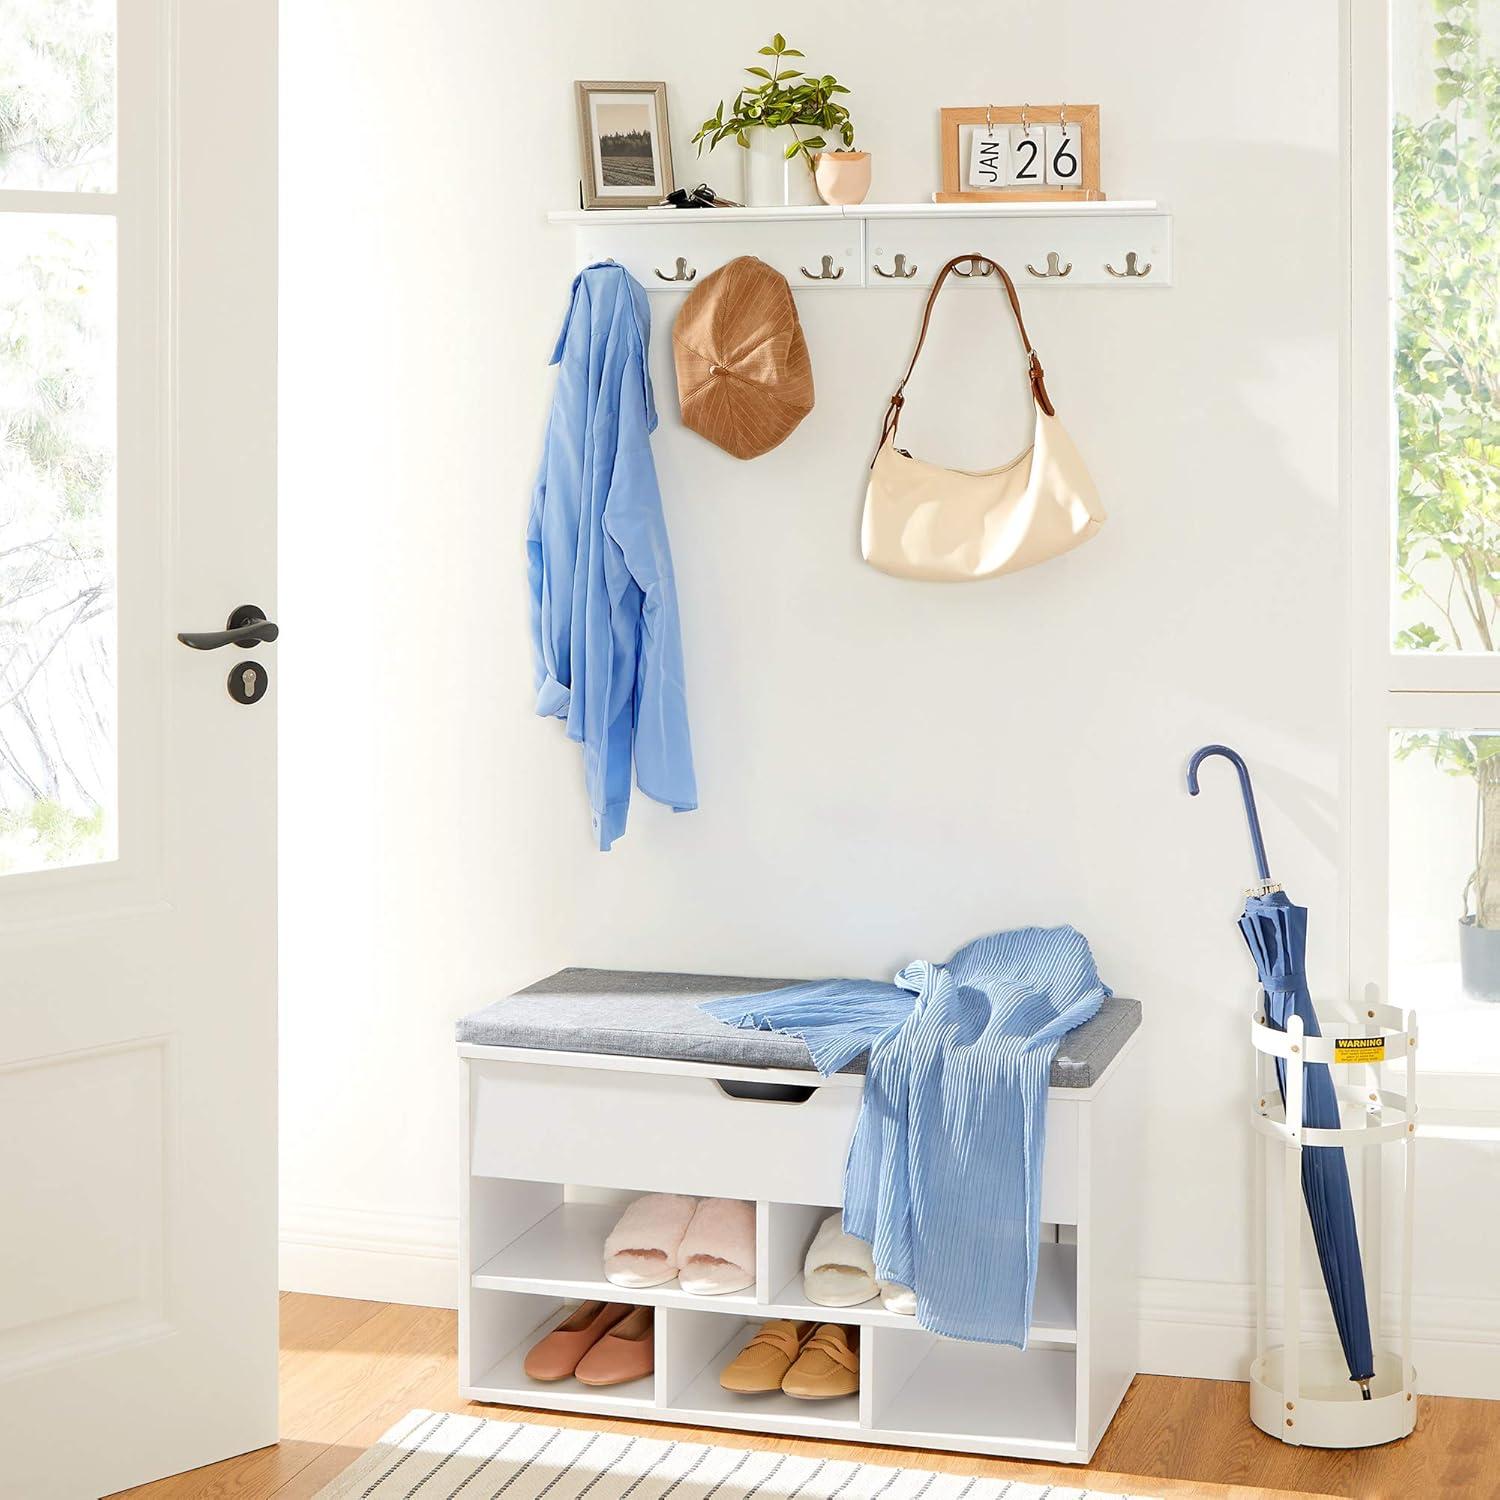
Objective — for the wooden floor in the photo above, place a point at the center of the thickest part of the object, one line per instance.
(349, 1370)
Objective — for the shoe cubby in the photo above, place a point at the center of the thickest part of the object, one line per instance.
(951, 1393)
(541, 1191)
(549, 1238)
(504, 1325)
(788, 1229)
(693, 1347)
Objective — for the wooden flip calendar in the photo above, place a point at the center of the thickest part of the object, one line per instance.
(1020, 153)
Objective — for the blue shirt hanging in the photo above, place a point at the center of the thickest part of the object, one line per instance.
(605, 630)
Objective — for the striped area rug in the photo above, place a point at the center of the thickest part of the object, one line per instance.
(438, 1456)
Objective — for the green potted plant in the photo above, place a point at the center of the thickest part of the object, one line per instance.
(1476, 756)
(784, 122)
(1447, 381)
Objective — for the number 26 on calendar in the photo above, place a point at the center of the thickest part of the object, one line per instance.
(1044, 155)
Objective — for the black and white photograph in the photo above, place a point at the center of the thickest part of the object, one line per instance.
(625, 148)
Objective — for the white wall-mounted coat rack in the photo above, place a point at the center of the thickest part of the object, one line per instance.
(885, 245)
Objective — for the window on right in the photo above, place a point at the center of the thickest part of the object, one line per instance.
(1445, 156)
(1437, 458)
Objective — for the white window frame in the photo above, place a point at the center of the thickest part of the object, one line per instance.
(145, 416)
(1389, 689)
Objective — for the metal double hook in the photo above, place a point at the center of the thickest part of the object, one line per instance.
(1054, 266)
(825, 272)
(901, 272)
(1130, 267)
(681, 271)
(978, 266)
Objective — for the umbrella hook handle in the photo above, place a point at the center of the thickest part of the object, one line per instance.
(1246, 791)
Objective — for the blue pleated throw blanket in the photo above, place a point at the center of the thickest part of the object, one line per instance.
(944, 1172)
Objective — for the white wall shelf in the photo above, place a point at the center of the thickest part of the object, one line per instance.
(538, 1203)
(843, 249)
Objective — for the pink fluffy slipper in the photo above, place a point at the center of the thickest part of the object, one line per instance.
(717, 1254)
(642, 1248)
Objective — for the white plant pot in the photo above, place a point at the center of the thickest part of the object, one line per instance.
(771, 181)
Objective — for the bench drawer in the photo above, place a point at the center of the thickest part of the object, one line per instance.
(656, 1132)
(682, 1133)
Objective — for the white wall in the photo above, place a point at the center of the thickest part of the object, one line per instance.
(886, 770)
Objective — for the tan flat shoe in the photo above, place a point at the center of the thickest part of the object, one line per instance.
(626, 1352)
(556, 1355)
(828, 1365)
(762, 1364)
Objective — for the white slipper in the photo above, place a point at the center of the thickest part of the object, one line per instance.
(838, 1271)
(717, 1253)
(642, 1248)
(898, 1299)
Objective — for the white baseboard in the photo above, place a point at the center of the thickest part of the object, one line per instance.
(1207, 1329)
(374, 1256)
(1198, 1328)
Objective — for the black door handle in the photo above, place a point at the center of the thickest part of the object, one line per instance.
(247, 626)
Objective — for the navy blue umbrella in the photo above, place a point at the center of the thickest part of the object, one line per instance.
(1275, 931)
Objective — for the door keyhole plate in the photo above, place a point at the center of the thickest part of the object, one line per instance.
(248, 682)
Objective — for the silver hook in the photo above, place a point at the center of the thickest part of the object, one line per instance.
(989, 119)
(1062, 117)
(825, 272)
(901, 271)
(978, 266)
(680, 271)
(1025, 123)
(1130, 267)
(1053, 267)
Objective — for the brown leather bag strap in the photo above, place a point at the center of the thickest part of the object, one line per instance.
(1034, 363)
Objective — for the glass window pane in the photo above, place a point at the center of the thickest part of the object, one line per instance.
(1446, 161)
(1445, 893)
(57, 540)
(57, 94)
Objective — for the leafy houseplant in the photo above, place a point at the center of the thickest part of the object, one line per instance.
(804, 107)
(1447, 375)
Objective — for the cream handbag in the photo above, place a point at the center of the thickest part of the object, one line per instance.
(953, 526)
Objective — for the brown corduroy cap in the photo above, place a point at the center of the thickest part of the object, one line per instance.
(743, 376)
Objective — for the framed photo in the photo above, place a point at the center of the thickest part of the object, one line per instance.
(1020, 153)
(624, 144)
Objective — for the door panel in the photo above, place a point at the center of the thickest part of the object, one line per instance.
(137, 1003)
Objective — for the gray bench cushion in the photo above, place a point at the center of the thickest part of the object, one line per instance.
(631, 1014)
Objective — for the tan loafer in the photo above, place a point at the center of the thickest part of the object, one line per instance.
(626, 1352)
(828, 1365)
(556, 1356)
(762, 1364)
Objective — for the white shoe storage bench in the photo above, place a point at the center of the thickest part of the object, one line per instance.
(592, 1087)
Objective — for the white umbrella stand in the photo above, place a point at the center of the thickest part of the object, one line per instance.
(1300, 1389)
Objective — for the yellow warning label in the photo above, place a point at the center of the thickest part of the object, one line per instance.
(1359, 1049)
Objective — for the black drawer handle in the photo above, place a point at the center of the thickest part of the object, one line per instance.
(775, 1093)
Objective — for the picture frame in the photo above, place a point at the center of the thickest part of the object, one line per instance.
(957, 124)
(625, 146)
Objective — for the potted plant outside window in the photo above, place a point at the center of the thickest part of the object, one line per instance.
(784, 123)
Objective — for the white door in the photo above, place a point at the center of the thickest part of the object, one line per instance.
(137, 797)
